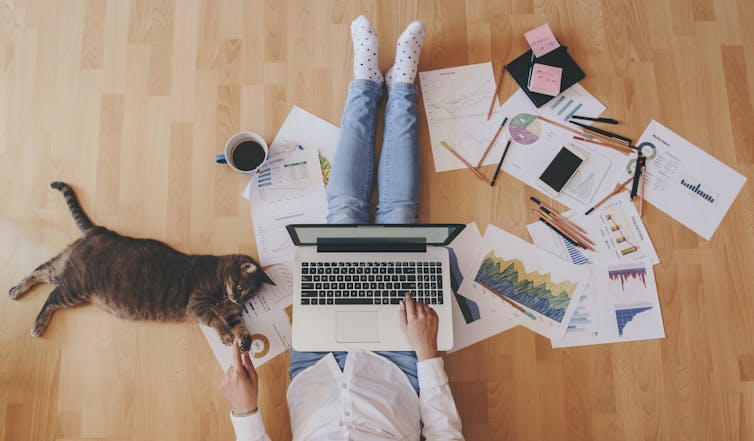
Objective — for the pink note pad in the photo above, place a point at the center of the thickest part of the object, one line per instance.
(545, 79)
(541, 40)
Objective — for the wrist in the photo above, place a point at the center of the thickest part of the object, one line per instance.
(426, 354)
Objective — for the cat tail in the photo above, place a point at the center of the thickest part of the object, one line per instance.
(82, 220)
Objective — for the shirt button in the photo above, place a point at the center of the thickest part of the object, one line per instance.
(343, 385)
(347, 413)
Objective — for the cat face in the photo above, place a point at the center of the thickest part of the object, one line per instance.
(244, 279)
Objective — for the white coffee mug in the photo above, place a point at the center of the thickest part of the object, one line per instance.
(244, 152)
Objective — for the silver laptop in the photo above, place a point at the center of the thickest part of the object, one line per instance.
(349, 279)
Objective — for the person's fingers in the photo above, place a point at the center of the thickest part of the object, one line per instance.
(421, 309)
(237, 356)
(410, 307)
(402, 314)
(249, 366)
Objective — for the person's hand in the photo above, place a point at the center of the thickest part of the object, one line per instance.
(419, 323)
(241, 383)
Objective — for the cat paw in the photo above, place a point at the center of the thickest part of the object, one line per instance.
(245, 343)
(14, 292)
(38, 330)
(227, 339)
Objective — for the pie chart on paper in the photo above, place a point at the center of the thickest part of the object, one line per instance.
(525, 128)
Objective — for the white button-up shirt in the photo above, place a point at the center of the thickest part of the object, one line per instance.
(370, 400)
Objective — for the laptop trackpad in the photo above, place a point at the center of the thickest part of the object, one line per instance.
(357, 327)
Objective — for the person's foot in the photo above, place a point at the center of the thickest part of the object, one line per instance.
(365, 65)
(407, 54)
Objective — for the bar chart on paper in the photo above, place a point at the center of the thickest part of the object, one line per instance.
(626, 314)
(573, 101)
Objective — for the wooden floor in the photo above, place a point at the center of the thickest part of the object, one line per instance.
(129, 100)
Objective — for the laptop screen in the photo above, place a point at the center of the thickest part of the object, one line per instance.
(428, 234)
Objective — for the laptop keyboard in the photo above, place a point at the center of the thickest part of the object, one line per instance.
(370, 283)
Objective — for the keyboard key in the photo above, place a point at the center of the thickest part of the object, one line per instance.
(308, 293)
(304, 301)
(307, 286)
(408, 285)
(321, 301)
(352, 301)
(330, 301)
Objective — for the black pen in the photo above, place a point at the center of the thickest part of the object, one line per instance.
(500, 164)
(610, 135)
(601, 120)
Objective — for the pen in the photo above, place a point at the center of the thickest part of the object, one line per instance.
(494, 138)
(601, 120)
(500, 164)
(610, 135)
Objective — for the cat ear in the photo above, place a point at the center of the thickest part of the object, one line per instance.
(248, 267)
(266, 279)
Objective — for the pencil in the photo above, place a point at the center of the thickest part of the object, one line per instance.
(500, 164)
(497, 90)
(581, 133)
(618, 188)
(575, 235)
(557, 213)
(509, 301)
(466, 163)
(560, 229)
(494, 138)
(620, 147)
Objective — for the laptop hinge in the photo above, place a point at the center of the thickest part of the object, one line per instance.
(352, 247)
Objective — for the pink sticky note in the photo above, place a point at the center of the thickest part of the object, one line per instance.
(545, 79)
(541, 40)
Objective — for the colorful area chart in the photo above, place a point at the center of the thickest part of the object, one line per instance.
(534, 290)
(525, 128)
(625, 315)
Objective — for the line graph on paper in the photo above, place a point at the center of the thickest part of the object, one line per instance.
(459, 104)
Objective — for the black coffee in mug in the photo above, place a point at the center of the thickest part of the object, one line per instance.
(248, 155)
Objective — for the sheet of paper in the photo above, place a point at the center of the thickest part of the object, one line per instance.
(456, 101)
(545, 79)
(547, 288)
(619, 305)
(267, 316)
(473, 321)
(287, 189)
(682, 180)
(616, 229)
(535, 144)
(541, 40)
(304, 128)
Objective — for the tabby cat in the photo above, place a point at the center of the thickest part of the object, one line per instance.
(145, 279)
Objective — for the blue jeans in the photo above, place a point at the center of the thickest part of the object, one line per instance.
(398, 178)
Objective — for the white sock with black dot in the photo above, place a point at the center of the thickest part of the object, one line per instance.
(365, 65)
(407, 54)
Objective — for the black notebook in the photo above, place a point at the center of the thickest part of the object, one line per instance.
(520, 69)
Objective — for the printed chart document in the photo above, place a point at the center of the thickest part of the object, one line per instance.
(457, 101)
(310, 131)
(615, 228)
(267, 316)
(536, 142)
(287, 189)
(619, 304)
(545, 287)
(473, 320)
(688, 184)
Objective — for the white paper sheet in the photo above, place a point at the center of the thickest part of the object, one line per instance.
(547, 288)
(682, 180)
(267, 316)
(287, 189)
(473, 321)
(615, 227)
(304, 128)
(535, 143)
(456, 101)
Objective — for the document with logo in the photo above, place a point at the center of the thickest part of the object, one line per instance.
(688, 184)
